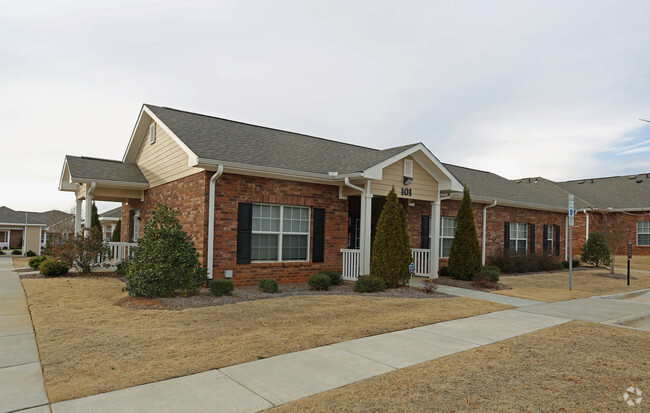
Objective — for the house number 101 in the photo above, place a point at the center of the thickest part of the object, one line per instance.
(406, 191)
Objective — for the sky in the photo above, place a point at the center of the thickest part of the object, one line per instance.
(519, 88)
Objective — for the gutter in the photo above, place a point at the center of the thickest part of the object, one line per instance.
(494, 203)
(213, 181)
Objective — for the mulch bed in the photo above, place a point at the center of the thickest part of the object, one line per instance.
(452, 282)
(30, 274)
(204, 298)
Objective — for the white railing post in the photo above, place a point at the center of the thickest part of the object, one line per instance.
(351, 264)
(421, 260)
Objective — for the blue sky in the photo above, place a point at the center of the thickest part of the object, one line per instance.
(519, 88)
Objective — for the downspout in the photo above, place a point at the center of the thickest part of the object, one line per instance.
(494, 203)
(213, 181)
(566, 238)
(362, 238)
(587, 226)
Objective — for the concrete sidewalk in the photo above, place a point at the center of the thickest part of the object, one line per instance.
(21, 377)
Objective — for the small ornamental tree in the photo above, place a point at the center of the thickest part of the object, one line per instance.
(115, 237)
(94, 219)
(595, 251)
(465, 254)
(79, 251)
(391, 250)
(165, 263)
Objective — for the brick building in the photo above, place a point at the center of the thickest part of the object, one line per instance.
(261, 202)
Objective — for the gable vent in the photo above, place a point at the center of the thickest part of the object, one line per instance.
(408, 168)
(152, 133)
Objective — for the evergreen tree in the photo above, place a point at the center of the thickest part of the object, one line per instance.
(391, 250)
(115, 236)
(595, 251)
(94, 219)
(165, 262)
(465, 254)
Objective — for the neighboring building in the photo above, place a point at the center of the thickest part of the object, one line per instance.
(263, 202)
(108, 221)
(21, 229)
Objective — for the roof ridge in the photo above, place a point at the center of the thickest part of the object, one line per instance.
(99, 159)
(266, 127)
(608, 177)
(474, 169)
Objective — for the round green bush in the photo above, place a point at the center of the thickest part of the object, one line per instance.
(52, 268)
(444, 271)
(16, 252)
(492, 272)
(221, 287)
(2, 252)
(30, 253)
(335, 276)
(369, 284)
(319, 281)
(35, 262)
(268, 285)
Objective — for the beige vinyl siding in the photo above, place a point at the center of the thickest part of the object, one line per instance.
(80, 193)
(424, 186)
(32, 239)
(164, 160)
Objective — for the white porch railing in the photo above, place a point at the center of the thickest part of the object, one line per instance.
(351, 263)
(4, 245)
(421, 260)
(119, 251)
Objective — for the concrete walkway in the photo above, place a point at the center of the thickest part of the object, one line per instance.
(21, 378)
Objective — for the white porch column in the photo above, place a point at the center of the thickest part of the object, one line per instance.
(366, 215)
(362, 236)
(40, 236)
(77, 217)
(434, 256)
(89, 208)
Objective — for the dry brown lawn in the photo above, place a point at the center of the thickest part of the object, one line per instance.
(639, 262)
(552, 287)
(574, 367)
(19, 262)
(89, 345)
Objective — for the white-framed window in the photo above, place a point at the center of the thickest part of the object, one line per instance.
(447, 232)
(280, 233)
(518, 237)
(643, 233)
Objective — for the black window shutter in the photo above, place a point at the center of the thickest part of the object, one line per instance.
(531, 229)
(506, 237)
(545, 240)
(244, 232)
(425, 241)
(318, 254)
(557, 240)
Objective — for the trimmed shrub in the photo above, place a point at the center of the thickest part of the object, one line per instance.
(595, 251)
(369, 284)
(559, 266)
(2, 252)
(483, 281)
(52, 268)
(268, 285)
(574, 263)
(221, 287)
(465, 253)
(165, 263)
(121, 268)
(335, 276)
(524, 263)
(30, 253)
(16, 252)
(319, 281)
(429, 286)
(35, 262)
(81, 251)
(444, 271)
(391, 250)
(492, 272)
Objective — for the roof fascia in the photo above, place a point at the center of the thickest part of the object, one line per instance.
(113, 184)
(22, 224)
(447, 180)
(510, 203)
(66, 185)
(138, 135)
(243, 169)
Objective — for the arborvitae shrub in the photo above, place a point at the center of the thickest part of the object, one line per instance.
(268, 285)
(115, 236)
(595, 251)
(221, 287)
(391, 250)
(465, 255)
(369, 284)
(52, 268)
(319, 281)
(165, 263)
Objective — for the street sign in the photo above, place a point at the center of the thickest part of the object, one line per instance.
(412, 268)
(572, 211)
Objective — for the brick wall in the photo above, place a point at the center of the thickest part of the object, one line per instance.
(627, 221)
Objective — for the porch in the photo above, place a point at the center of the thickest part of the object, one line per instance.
(118, 252)
(352, 257)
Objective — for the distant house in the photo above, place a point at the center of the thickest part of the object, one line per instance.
(21, 229)
(261, 202)
(108, 220)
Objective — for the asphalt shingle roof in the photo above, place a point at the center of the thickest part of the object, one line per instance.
(82, 167)
(630, 191)
(488, 185)
(113, 213)
(9, 216)
(230, 141)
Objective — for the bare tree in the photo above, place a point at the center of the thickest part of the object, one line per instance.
(612, 225)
